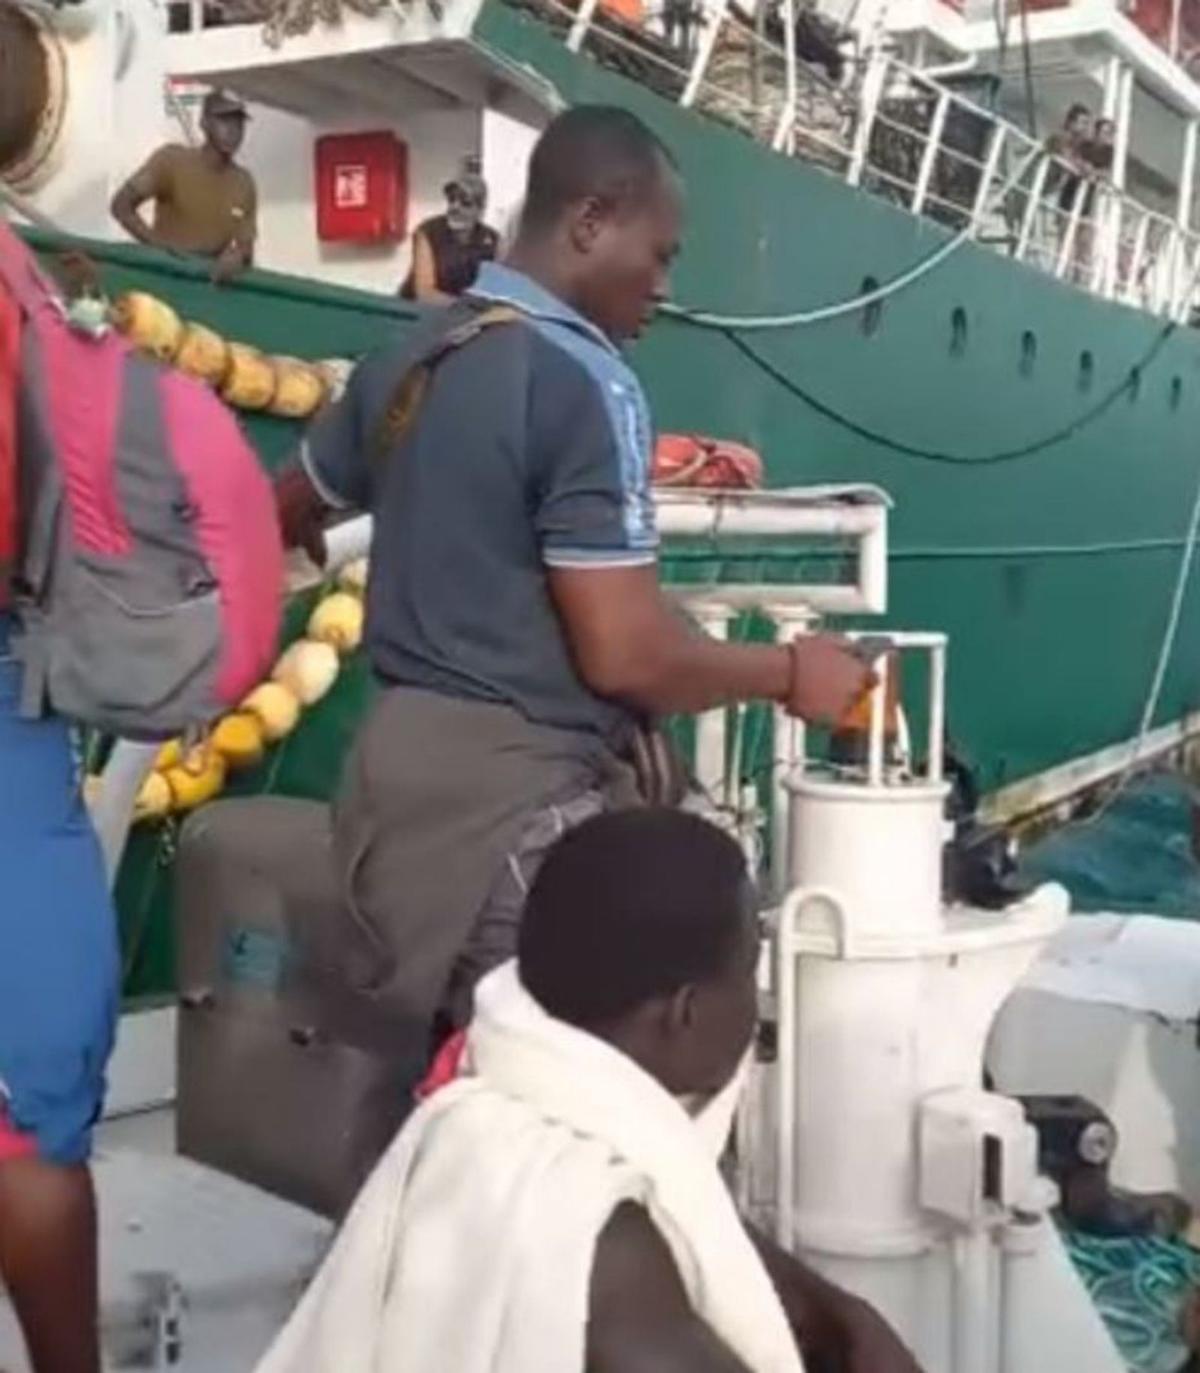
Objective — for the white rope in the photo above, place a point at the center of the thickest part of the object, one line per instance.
(1159, 677)
(888, 288)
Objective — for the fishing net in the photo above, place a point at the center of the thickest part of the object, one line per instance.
(290, 18)
(1140, 1287)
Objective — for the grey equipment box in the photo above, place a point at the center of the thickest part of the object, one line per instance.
(287, 1079)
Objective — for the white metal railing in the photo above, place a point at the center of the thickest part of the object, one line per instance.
(852, 517)
(899, 134)
(884, 126)
(194, 16)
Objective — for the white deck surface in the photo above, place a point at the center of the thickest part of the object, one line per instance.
(239, 1257)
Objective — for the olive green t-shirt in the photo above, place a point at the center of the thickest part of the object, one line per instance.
(199, 208)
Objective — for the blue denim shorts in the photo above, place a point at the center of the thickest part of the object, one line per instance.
(59, 961)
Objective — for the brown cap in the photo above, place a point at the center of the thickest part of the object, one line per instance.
(223, 105)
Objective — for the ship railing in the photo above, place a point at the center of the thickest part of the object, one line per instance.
(939, 154)
(194, 16)
(884, 126)
(897, 133)
(720, 60)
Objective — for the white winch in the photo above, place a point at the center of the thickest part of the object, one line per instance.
(875, 1151)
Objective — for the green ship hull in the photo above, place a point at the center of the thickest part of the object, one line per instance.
(1052, 572)
(1039, 443)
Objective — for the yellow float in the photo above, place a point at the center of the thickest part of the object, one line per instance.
(148, 323)
(203, 354)
(338, 621)
(276, 709)
(299, 389)
(250, 380)
(308, 670)
(239, 739)
(197, 779)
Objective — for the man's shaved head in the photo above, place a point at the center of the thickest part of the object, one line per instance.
(593, 151)
(602, 217)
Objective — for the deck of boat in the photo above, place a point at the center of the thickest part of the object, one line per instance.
(198, 1271)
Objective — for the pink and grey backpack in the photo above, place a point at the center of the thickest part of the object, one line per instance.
(148, 581)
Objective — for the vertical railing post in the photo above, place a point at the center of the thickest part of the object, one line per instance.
(788, 752)
(1114, 222)
(872, 92)
(1191, 272)
(583, 22)
(787, 119)
(1066, 251)
(933, 143)
(712, 725)
(1187, 175)
(1173, 273)
(986, 176)
(704, 52)
(937, 710)
(1136, 256)
(1164, 266)
(1031, 209)
(1123, 117)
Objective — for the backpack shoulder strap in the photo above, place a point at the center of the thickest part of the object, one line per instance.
(410, 389)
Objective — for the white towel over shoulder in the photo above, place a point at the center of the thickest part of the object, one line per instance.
(470, 1249)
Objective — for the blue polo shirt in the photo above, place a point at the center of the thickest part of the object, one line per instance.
(531, 449)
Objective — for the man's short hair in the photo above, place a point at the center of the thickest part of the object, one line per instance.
(596, 151)
(630, 906)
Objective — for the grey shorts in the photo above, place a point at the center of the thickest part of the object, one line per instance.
(493, 940)
(446, 810)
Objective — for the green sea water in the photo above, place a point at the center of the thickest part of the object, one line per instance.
(1135, 857)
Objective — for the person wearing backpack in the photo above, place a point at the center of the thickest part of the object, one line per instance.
(59, 976)
(141, 578)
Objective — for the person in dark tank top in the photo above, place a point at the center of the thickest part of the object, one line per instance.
(449, 249)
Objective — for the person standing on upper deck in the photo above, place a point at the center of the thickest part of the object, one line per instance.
(204, 202)
(449, 249)
(1068, 146)
(514, 613)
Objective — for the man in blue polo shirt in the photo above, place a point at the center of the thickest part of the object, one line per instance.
(514, 614)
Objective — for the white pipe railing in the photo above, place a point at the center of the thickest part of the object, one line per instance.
(890, 133)
(857, 514)
(787, 118)
(930, 155)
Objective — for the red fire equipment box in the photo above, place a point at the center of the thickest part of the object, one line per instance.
(362, 188)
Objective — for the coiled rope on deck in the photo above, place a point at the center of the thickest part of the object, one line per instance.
(1140, 1287)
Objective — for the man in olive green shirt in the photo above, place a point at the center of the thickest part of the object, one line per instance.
(204, 203)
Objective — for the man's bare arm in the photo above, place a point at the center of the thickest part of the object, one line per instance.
(836, 1332)
(639, 1316)
(128, 201)
(424, 272)
(630, 644)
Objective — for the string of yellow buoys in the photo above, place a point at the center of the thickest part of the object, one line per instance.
(244, 377)
(185, 777)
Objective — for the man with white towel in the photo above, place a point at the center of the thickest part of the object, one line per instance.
(558, 1207)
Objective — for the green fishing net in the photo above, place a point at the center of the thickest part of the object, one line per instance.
(1139, 1286)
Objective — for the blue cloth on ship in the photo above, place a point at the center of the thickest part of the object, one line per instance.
(59, 960)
